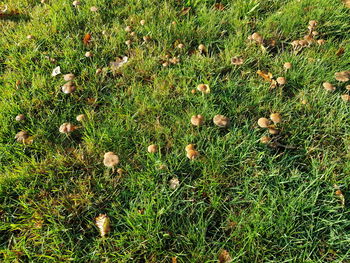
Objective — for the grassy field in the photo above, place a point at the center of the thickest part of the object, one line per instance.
(240, 200)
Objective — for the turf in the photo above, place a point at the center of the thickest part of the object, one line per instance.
(260, 203)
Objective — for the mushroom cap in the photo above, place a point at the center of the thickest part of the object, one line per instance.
(190, 147)
(265, 139)
(88, 54)
(153, 148)
(273, 131)
(342, 76)
(347, 87)
(328, 86)
(93, 9)
(76, 3)
(180, 46)
(287, 65)
(221, 121)
(313, 23)
(67, 128)
(68, 77)
(20, 117)
(128, 42)
(30, 37)
(197, 120)
(143, 22)
(68, 88)
(257, 37)
(276, 118)
(128, 29)
(345, 97)
(263, 122)
(120, 171)
(203, 88)
(321, 41)
(281, 80)
(237, 61)
(81, 117)
(201, 47)
(192, 154)
(174, 183)
(21, 136)
(110, 159)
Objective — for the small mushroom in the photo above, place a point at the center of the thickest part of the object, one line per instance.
(237, 61)
(347, 87)
(328, 86)
(202, 48)
(276, 118)
(263, 122)
(173, 23)
(133, 34)
(345, 97)
(143, 22)
(81, 117)
(76, 3)
(68, 88)
(221, 121)
(342, 76)
(153, 148)
(321, 42)
(128, 29)
(30, 37)
(20, 117)
(312, 23)
(190, 147)
(257, 38)
(22, 136)
(93, 9)
(67, 128)
(88, 54)
(192, 154)
(128, 42)
(204, 88)
(68, 77)
(174, 60)
(287, 65)
(98, 71)
(120, 171)
(174, 183)
(180, 46)
(281, 81)
(197, 120)
(110, 159)
(265, 139)
(273, 131)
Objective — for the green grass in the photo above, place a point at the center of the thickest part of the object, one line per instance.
(260, 203)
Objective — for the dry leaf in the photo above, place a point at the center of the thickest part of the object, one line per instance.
(173, 260)
(224, 256)
(219, 6)
(87, 39)
(103, 224)
(266, 76)
(56, 71)
(185, 11)
(346, 3)
(340, 51)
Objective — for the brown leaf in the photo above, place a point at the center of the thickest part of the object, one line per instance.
(219, 6)
(340, 51)
(185, 11)
(87, 39)
(173, 260)
(224, 256)
(346, 3)
(266, 76)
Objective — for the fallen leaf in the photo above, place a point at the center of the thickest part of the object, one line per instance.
(340, 51)
(103, 224)
(56, 71)
(224, 256)
(185, 11)
(266, 76)
(87, 39)
(219, 6)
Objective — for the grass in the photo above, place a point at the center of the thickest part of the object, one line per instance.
(260, 203)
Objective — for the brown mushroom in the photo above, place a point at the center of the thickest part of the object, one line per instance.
(281, 80)
(221, 121)
(265, 139)
(110, 159)
(68, 77)
(328, 86)
(287, 65)
(345, 97)
(22, 136)
(190, 147)
(342, 76)
(197, 120)
(204, 88)
(153, 148)
(80, 117)
(192, 154)
(68, 88)
(67, 128)
(20, 117)
(237, 61)
(263, 122)
(276, 118)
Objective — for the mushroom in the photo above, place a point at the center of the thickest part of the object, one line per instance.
(197, 120)
(68, 77)
(192, 154)
(263, 122)
(81, 117)
(281, 81)
(128, 42)
(30, 37)
(128, 29)
(180, 46)
(103, 224)
(143, 22)
(68, 88)
(67, 127)
(202, 48)
(347, 87)
(98, 71)
(173, 23)
(345, 97)
(276, 118)
(312, 23)
(237, 61)
(342, 76)
(328, 86)
(221, 121)
(287, 65)
(110, 159)
(22, 136)
(76, 3)
(273, 131)
(88, 54)
(20, 117)
(174, 183)
(132, 34)
(93, 9)
(265, 139)
(174, 60)
(321, 42)
(204, 88)
(120, 171)
(190, 147)
(153, 148)
(257, 38)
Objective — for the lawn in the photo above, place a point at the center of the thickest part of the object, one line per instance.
(267, 181)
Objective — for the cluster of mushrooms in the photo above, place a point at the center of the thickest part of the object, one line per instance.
(342, 77)
(309, 39)
(271, 125)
